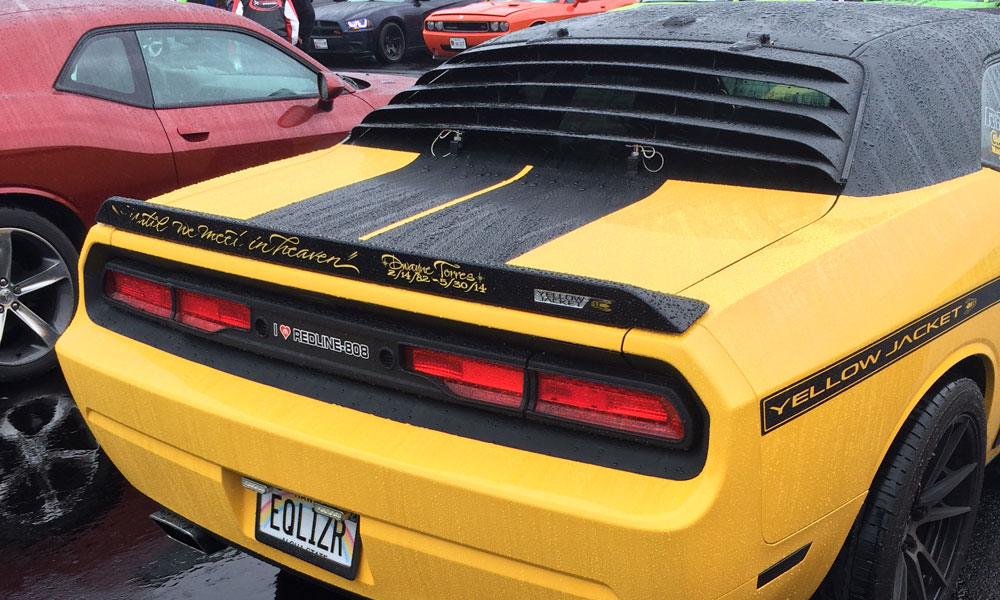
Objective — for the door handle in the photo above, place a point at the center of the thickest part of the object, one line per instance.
(193, 133)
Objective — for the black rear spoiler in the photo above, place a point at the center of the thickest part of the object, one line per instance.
(566, 296)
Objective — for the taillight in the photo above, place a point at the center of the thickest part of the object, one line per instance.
(209, 313)
(608, 406)
(141, 294)
(204, 312)
(472, 378)
(595, 404)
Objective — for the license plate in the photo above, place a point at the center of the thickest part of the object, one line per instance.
(304, 529)
(457, 43)
(320, 44)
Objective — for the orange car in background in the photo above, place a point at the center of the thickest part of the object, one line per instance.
(447, 32)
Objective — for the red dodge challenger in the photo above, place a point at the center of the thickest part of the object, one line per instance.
(135, 98)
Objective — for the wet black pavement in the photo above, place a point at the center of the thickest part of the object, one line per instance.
(93, 539)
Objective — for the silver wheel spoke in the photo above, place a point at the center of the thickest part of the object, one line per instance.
(45, 331)
(6, 255)
(55, 272)
(3, 323)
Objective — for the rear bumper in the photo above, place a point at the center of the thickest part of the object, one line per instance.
(440, 513)
(461, 517)
(349, 43)
(439, 43)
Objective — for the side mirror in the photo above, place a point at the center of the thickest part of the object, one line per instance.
(330, 86)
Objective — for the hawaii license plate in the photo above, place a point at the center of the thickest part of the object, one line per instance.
(318, 534)
(457, 43)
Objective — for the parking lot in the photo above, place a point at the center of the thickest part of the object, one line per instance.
(277, 322)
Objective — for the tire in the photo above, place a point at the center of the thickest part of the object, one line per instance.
(391, 45)
(38, 284)
(912, 535)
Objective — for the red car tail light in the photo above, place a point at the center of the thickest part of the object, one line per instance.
(141, 294)
(472, 378)
(608, 406)
(201, 311)
(209, 313)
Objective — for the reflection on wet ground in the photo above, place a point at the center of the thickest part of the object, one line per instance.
(72, 528)
(75, 530)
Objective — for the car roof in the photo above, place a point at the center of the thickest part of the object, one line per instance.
(878, 98)
(828, 27)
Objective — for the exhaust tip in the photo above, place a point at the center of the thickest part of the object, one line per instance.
(180, 529)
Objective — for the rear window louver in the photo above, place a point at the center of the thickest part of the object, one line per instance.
(710, 102)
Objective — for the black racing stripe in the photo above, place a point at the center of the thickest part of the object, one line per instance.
(350, 212)
(502, 224)
(566, 296)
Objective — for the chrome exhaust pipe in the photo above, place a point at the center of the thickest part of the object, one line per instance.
(193, 536)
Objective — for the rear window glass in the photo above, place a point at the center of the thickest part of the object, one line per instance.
(778, 92)
(102, 67)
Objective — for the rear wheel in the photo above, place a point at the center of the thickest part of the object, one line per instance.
(391, 43)
(37, 292)
(911, 538)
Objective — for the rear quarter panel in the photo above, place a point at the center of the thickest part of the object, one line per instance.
(83, 149)
(870, 267)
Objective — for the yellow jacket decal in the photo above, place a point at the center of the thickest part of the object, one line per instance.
(805, 395)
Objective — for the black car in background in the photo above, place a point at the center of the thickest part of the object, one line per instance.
(385, 29)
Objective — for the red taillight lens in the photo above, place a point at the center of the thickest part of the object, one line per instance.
(608, 406)
(209, 313)
(142, 294)
(472, 378)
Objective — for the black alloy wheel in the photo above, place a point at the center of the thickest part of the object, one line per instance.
(37, 292)
(942, 515)
(911, 538)
(391, 43)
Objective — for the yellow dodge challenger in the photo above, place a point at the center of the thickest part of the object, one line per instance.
(692, 302)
